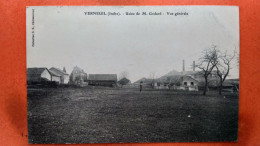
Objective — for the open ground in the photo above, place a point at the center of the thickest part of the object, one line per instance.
(109, 115)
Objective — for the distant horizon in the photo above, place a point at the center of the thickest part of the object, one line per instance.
(116, 73)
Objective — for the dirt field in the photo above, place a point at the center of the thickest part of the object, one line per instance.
(106, 115)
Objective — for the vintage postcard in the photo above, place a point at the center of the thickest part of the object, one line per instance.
(132, 74)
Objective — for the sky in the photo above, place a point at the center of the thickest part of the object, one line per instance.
(141, 45)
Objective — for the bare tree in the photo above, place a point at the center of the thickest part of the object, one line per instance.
(223, 67)
(123, 74)
(123, 78)
(173, 80)
(206, 64)
(152, 76)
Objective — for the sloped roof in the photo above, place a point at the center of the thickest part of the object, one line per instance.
(190, 78)
(58, 71)
(35, 71)
(172, 73)
(190, 72)
(77, 69)
(54, 73)
(196, 72)
(124, 80)
(102, 77)
(227, 84)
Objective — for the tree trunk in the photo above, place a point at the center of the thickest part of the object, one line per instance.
(206, 86)
(220, 87)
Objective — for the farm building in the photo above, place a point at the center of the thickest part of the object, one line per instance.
(160, 85)
(77, 76)
(37, 75)
(124, 81)
(235, 83)
(102, 79)
(189, 83)
(55, 77)
(62, 73)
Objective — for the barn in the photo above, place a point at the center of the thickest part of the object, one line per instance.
(35, 75)
(40, 75)
(62, 73)
(109, 80)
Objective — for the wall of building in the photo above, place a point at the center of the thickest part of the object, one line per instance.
(56, 79)
(189, 81)
(66, 79)
(102, 83)
(46, 75)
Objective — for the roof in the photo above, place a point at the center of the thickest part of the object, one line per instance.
(190, 72)
(54, 73)
(190, 78)
(58, 71)
(36, 71)
(227, 84)
(102, 77)
(124, 80)
(76, 69)
(196, 72)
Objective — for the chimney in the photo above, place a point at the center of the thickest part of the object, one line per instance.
(193, 65)
(183, 65)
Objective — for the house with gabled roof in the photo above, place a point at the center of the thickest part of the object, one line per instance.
(77, 76)
(38, 75)
(55, 77)
(62, 73)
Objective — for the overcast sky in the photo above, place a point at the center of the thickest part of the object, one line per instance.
(140, 45)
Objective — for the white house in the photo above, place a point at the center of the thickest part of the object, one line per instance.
(62, 73)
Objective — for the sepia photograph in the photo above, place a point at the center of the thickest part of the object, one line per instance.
(132, 74)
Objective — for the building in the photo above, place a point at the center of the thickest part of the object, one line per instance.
(194, 80)
(124, 81)
(62, 73)
(78, 76)
(109, 80)
(55, 77)
(40, 75)
(189, 83)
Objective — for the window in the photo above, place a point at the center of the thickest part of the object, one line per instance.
(185, 83)
(191, 83)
